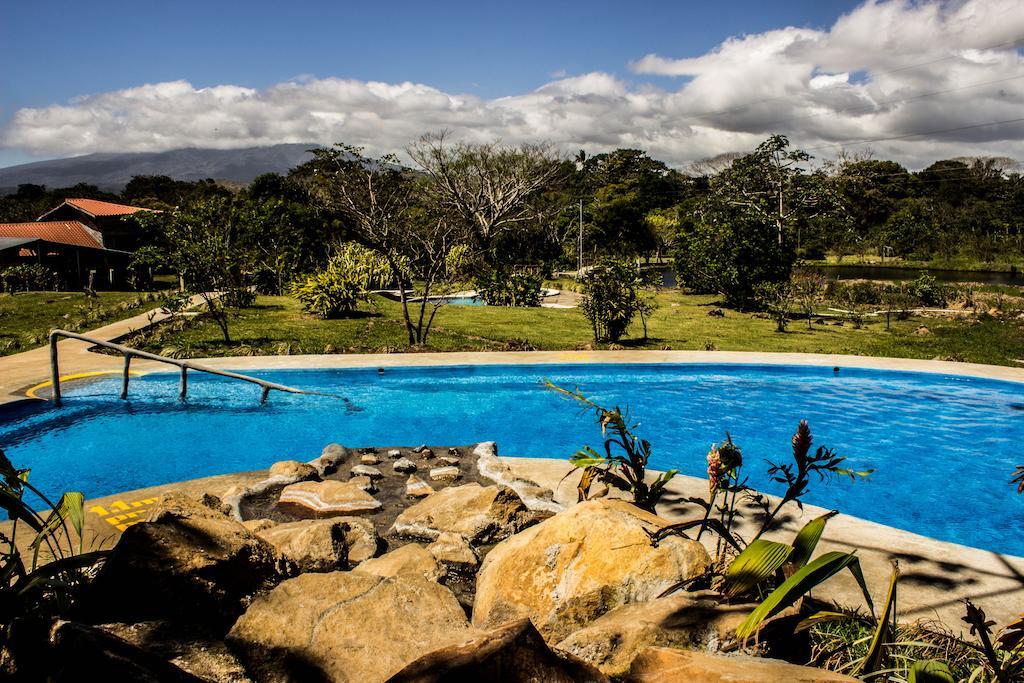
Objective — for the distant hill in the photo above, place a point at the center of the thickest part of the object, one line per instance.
(113, 171)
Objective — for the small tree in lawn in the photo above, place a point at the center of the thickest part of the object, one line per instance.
(808, 287)
(204, 246)
(775, 298)
(612, 298)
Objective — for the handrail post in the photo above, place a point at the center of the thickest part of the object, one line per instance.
(183, 383)
(54, 369)
(124, 378)
(266, 392)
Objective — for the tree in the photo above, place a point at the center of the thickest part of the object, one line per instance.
(612, 298)
(496, 191)
(388, 209)
(205, 246)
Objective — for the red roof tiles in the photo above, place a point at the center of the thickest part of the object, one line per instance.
(95, 207)
(59, 232)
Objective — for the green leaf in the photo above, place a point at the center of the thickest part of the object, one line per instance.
(929, 671)
(17, 509)
(758, 562)
(876, 651)
(803, 580)
(807, 540)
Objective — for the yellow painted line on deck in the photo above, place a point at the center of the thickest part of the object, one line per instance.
(31, 393)
(121, 514)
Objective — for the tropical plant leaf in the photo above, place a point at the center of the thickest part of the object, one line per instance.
(807, 540)
(822, 617)
(70, 509)
(872, 661)
(929, 671)
(757, 563)
(803, 580)
(17, 509)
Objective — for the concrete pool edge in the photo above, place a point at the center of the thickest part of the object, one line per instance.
(937, 575)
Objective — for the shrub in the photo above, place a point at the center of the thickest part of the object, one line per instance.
(928, 291)
(338, 288)
(775, 299)
(509, 288)
(28, 277)
(612, 298)
(240, 298)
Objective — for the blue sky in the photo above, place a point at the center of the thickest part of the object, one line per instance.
(54, 52)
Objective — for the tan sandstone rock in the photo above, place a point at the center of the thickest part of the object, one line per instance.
(417, 488)
(454, 553)
(328, 498)
(514, 653)
(687, 620)
(257, 525)
(570, 569)
(481, 514)
(412, 558)
(293, 470)
(667, 665)
(346, 626)
(323, 545)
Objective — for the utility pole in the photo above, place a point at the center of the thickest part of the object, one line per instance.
(579, 247)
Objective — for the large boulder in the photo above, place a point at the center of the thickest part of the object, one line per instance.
(570, 569)
(667, 665)
(411, 558)
(192, 652)
(328, 498)
(346, 626)
(514, 653)
(482, 514)
(293, 470)
(323, 545)
(185, 562)
(687, 620)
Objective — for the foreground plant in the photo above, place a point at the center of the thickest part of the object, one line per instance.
(623, 462)
(42, 584)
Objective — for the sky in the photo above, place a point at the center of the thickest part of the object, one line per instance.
(686, 81)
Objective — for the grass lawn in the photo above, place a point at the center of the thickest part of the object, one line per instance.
(27, 318)
(277, 325)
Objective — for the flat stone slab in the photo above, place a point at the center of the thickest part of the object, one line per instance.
(442, 473)
(417, 488)
(366, 471)
(329, 497)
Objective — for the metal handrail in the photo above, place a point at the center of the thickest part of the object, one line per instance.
(185, 366)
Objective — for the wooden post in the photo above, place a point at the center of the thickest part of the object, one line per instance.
(124, 377)
(54, 370)
(183, 385)
(263, 396)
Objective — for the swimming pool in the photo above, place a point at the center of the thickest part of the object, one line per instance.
(943, 446)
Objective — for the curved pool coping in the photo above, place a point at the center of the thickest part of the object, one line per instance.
(337, 361)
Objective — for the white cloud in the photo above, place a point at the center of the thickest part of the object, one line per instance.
(821, 87)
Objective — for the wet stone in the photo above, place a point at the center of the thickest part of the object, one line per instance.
(404, 465)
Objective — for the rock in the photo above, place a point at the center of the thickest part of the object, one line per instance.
(688, 620)
(323, 545)
(257, 525)
(293, 470)
(365, 483)
(366, 471)
(570, 569)
(922, 330)
(426, 454)
(716, 313)
(394, 454)
(328, 498)
(481, 514)
(667, 665)
(490, 465)
(419, 449)
(335, 627)
(184, 562)
(192, 652)
(404, 465)
(76, 649)
(369, 459)
(417, 488)
(412, 558)
(454, 452)
(514, 653)
(330, 459)
(445, 473)
(454, 553)
(448, 460)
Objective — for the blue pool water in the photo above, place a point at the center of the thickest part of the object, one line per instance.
(943, 447)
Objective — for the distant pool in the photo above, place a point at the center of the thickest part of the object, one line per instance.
(943, 447)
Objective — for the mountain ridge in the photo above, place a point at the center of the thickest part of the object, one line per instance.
(112, 170)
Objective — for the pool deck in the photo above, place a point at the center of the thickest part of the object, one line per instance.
(936, 576)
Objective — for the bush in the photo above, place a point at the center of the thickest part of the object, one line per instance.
(240, 298)
(28, 277)
(509, 288)
(336, 290)
(928, 291)
(612, 298)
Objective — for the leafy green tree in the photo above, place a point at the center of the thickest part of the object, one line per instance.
(612, 297)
